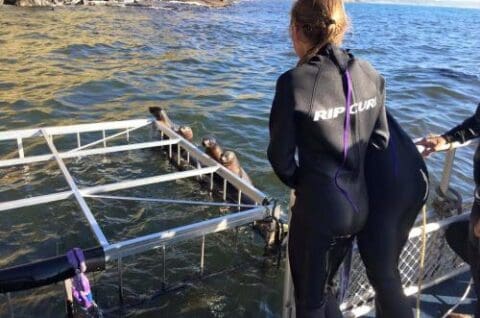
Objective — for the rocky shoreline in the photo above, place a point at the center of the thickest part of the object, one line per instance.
(118, 3)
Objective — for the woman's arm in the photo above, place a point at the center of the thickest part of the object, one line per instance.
(464, 132)
(281, 150)
(467, 130)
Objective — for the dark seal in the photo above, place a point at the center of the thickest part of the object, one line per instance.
(230, 161)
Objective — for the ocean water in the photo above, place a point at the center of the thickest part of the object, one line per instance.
(214, 70)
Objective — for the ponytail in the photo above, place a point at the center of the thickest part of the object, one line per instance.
(321, 22)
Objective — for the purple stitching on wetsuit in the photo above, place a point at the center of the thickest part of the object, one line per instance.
(346, 138)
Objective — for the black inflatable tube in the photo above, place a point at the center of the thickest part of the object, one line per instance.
(47, 271)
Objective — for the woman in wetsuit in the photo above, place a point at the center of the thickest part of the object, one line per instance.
(397, 182)
(464, 236)
(330, 108)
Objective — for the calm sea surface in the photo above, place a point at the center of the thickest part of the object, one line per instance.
(214, 70)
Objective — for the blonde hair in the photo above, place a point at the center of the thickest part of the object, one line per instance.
(321, 22)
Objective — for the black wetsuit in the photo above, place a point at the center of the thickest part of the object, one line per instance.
(460, 235)
(308, 115)
(397, 182)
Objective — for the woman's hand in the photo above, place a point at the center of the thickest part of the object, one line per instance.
(431, 144)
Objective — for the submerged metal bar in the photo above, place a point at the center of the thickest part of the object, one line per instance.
(146, 181)
(224, 189)
(90, 152)
(235, 239)
(79, 140)
(81, 201)
(202, 255)
(21, 203)
(120, 280)
(104, 139)
(178, 154)
(156, 240)
(171, 201)
(21, 153)
(164, 282)
(101, 151)
(239, 197)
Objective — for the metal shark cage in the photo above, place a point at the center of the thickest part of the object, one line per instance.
(441, 263)
(48, 271)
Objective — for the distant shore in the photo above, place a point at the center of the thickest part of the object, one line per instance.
(434, 3)
(53, 3)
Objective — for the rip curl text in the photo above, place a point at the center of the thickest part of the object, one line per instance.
(336, 111)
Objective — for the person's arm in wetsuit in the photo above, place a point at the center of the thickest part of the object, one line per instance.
(467, 130)
(464, 132)
(281, 150)
(381, 134)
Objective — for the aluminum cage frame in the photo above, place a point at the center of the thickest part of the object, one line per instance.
(205, 166)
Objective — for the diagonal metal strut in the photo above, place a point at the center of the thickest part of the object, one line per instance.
(81, 201)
